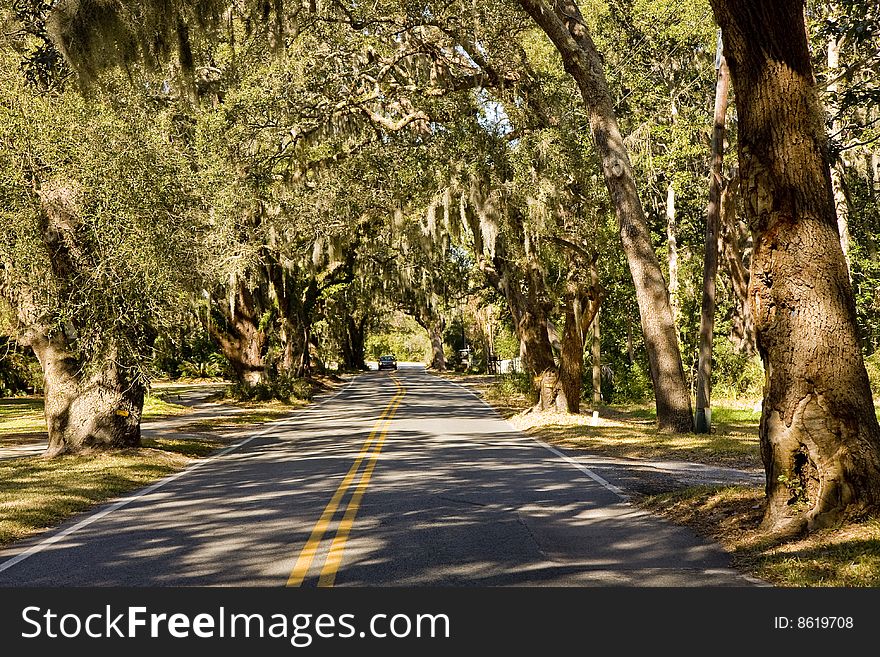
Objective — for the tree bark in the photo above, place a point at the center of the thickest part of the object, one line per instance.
(237, 332)
(841, 203)
(92, 401)
(672, 249)
(703, 423)
(733, 235)
(571, 362)
(353, 349)
(563, 22)
(438, 355)
(86, 410)
(820, 439)
(581, 308)
(524, 290)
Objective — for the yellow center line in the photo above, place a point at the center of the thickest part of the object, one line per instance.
(337, 548)
(307, 555)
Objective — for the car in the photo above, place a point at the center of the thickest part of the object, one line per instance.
(387, 363)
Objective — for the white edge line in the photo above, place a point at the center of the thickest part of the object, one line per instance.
(582, 468)
(42, 545)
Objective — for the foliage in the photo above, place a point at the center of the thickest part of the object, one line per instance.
(283, 388)
(735, 375)
(101, 219)
(20, 372)
(345, 163)
(399, 335)
(873, 365)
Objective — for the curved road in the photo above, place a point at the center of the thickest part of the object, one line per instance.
(400, 479)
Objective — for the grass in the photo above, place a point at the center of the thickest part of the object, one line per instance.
(252, 413)
(156, 407)
(38, 493)
(21, 421)
(844, 556)
(620, 434)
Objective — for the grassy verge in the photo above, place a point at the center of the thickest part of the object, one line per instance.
(251, 413)
(21, 421)
(844, 556)
(38, 493)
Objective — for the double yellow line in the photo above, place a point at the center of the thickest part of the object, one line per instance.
(334, 557)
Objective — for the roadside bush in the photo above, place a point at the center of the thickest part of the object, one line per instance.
(283, 388)
(20, 372)
(211, 367)
(631, 383)
(512, 389)
(735, 375)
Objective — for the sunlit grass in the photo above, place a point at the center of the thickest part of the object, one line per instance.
(632, 433)
(20, 418)
(844, 556)
(37, 493)
(156, 406)
(252, 413)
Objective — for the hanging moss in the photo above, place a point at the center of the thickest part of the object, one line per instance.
(94, 35)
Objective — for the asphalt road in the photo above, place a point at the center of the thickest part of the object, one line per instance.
(400, 479)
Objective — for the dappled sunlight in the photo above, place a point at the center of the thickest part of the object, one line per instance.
(457, 498)
(641, 439)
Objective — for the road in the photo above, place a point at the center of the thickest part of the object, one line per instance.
(399, 479)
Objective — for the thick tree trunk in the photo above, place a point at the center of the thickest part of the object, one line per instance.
(571, 363)
(563, 22)
(578, 311)
(433, 325)
(86, 410)
(237, 332)
(703, 423)
(820, 439)
(353, 349)
(524, 293)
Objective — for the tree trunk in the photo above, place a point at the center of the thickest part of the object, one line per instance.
(353, 349)
(571, 364)
(733, 235)
(672, 248)
(820, 439)
(85, 410)
(438, 355)
(563, 22)
(703, 423)
(596, 339)
(596, 358)
(571, 357)
(525, 295)
(237, 332)
(841, 203)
